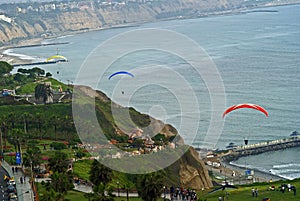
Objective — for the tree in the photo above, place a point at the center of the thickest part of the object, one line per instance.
(23, 70)
(16, 136)
(150, 186)
(67, 126)
(102, 192)
(88, 196)
(5, 68)
(100, 173)
(48, 74)
(4, 128)
(54, 121)
(32, 156)
(39, 120)
(19, 78)
(59, 162)
(37, 71)
(51, 195)
(12, 119)
(61, 182)
(26, 118)
(44, 92)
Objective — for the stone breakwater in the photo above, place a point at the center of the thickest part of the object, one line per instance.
(262, 147)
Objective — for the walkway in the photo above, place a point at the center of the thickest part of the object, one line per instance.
(88, 189)
(24, 190)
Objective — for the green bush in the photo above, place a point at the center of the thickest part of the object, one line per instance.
(58, 145)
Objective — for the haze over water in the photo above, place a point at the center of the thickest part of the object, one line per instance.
(257, 55)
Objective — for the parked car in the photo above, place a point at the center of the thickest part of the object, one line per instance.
(12, 197)
(11, 182)
(11, 189)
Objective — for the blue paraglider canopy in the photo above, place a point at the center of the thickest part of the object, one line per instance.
(120, 72)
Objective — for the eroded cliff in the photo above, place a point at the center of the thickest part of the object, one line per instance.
(25, 21)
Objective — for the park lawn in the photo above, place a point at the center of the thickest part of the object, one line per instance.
(245, 193)
(81, 168)
(29, 87)
(75, 196)
(71, 195)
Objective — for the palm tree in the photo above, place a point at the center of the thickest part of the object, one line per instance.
(100, 173)
(12, 118)
(26, 118)
(4, 129)
(61, 182)
(32, 157)
(54, 120)
(88, 196)
(59, 163)
(16, 136)
(39, 119)
(150, 186)
(102, 192)
(67, 125)
(51, 195)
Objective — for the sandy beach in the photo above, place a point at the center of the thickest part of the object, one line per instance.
(223, 170)
(15, 59)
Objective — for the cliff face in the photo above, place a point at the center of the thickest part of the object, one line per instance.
(30, 22)
(188, 171)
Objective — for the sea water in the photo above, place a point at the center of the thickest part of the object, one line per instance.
(257, 55)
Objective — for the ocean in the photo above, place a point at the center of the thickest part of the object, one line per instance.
(256, 54)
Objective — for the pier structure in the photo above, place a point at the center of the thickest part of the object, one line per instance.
(262, 147)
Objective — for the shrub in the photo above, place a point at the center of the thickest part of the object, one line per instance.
(58, 145)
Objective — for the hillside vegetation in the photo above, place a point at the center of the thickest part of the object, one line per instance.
(22, 122)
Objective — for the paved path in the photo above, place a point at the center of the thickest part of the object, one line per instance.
(88, 189)
(24, 190)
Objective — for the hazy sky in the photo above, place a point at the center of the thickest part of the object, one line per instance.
(18, 1)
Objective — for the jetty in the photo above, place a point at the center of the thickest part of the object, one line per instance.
(262, 147)
(42, 44)
(39, 63)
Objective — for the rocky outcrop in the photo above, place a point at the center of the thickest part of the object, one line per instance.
(193, 172)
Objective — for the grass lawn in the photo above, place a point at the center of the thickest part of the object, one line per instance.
(81, 168)
(245, 193)
(75, 196)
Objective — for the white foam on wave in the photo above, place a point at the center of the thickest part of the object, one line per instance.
(286, 165)
(10, 52)
(285, 171)
(289, 171)
(289, 176)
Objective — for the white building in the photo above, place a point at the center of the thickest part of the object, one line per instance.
(5, 18)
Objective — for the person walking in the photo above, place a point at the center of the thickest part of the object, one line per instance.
(253, 191)
(256, 192)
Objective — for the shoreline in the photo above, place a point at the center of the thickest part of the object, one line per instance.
(39, 40)
(16, 60)
(232, 172)
(261, 175)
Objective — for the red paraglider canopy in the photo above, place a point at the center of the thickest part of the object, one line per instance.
(245, 105)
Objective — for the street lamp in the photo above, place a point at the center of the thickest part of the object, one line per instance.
(225, 174)
(118, 189)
